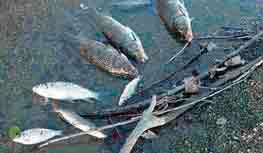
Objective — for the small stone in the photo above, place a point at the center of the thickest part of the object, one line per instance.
(221, 121)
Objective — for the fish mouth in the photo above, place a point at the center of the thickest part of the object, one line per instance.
(189, 36)
(141, 57)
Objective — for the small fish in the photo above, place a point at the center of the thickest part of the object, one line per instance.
(35, 136)
(174, 15)
(128, 4)
(79, 122)
(65, 91)
(129, 90)
(120, 36)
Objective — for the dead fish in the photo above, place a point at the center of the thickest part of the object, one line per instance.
(107, 58)
(65, 91)
(128, 4)
(36, 135)
(120, 36)
(79, 122)
(129, 90)
(175, 17)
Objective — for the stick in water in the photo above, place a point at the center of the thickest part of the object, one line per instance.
(177, 54)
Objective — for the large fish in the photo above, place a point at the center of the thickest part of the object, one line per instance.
(79, 122)
(175, 17)
(129, 90)
(65, 91)
(120, 36)
(107, 58)
(35, 136)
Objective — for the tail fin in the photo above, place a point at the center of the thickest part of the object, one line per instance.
(102, 96)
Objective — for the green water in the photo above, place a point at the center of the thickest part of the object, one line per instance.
(33, 50)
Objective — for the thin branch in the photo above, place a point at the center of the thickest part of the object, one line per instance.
(233, 37)
(177, 54)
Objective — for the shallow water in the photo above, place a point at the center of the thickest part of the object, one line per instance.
(34, 50)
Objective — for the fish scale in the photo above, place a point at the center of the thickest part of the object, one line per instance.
(119, 35)
(107, 58)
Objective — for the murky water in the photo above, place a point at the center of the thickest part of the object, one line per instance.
(34, 50)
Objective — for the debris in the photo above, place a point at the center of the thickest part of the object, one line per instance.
(192, 84)
(147, 121)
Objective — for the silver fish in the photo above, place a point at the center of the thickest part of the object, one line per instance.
(35, 136)
(64, 91)
(129, 90)
(79, 122)
(120, 36)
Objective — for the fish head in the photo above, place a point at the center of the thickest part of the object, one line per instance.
(136, 51)
(40, 90)
(135, 48)
(183, 26)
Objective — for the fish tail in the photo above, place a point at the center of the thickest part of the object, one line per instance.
(103, 96)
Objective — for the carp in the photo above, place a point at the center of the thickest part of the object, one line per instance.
(175, 17)
(119, 36)
(107, 58)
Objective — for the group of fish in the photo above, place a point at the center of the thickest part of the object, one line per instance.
(123, 42)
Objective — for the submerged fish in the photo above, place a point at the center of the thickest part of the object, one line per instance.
(79, 122)
(120, 36)
(129, 90)
(128, 4)
(107, 58)
(65, 91)
(176, 18)
(35, 136)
